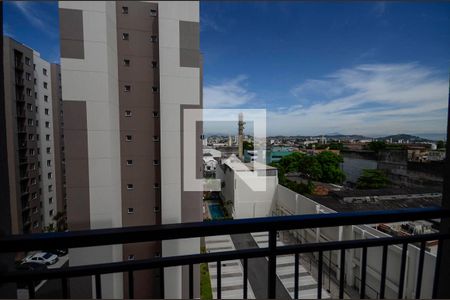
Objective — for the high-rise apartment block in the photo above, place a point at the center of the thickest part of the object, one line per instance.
(129, 72)
(32, 134)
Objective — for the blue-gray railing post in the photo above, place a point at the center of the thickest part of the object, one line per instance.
(272, 268)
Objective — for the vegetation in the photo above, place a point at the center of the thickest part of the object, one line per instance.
(440, 145)
(248, 145)
(372, 179)
(324, 167)
(376, 146)
(205, 281)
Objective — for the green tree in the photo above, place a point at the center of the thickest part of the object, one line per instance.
(376, 146)
(330, 165)
(248, 145)
(372, 179)
(336, 146)
(440, 145)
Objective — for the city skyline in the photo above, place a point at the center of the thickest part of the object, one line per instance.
(356, 68)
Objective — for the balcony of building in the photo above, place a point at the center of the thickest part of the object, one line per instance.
(375, 258)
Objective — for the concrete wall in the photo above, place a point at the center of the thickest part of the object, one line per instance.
(291, 203)
(48, 197)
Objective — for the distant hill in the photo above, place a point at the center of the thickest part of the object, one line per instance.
(404, 137)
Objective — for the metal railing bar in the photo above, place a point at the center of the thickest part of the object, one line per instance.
(111, 236)
(362, 293)
(272, 273)
(245, 275)
(402, 270)
(130, 285)
(162, 262)
(296, 274)
(219, 279)
(319, 276)
(161, 281)
(342, 275)
(98, 286)
(31, 291)
(191, 281)
(436, 268)
(383, 271)
(65, 288)
(420, 270)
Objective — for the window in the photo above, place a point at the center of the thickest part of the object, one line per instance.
(35, 224)
(126, 62)
(131, 257)
(44, 71)
(50, 188)
(37, 139)
(154, 89)
(129, 162)
(153, 12)
(27, 61)
(156, 162)
(156, 138)
(30, 122)
(35, 95)
(28, 76)
(125, 10)
(29, 107)
(155, 114)
(153, 39)
(31, 151)
(50, 200)
(50, 213)
(125, 36)
(48, 150)
(45, 85)
(45, 98)
(157, 254)
(49, 175)
(36, 108)
(28, 92)
(128, 138)
(156, 209)
(31, 137)
(47, 137)
(33, 181)
(35, 210)
(33, 195)
(156, 185)
(130, 210)
(37, 123)
(127, 88)
(35, 81)
(46, 111)
(47, 124)
(154, 64)
(49, 163)
(33, 166)
(128, 113)
(130, 186)
(34, 66)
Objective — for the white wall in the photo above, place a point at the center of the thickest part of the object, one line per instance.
(178, 85)
(94, 80)
(291, 203)
(42, 130)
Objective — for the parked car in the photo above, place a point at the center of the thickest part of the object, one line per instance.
(45, 258)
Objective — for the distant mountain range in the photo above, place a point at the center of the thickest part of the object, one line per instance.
(428, 137)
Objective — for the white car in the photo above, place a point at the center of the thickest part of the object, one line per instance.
(42, 258)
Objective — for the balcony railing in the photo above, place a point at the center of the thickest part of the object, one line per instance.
(272, 225)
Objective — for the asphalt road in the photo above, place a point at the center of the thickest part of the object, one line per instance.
(257, 269)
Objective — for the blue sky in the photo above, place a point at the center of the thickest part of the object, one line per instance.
(350, 67)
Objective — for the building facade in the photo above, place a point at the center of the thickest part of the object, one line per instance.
(129, 71)
(30, 140)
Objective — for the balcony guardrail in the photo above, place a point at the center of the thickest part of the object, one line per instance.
(99, 237)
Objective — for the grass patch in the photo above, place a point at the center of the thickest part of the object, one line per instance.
(205, 282)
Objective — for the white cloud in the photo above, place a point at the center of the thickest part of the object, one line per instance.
(27, 8)
(227, 94)
(368, 99)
